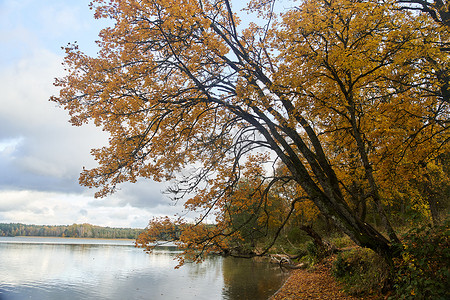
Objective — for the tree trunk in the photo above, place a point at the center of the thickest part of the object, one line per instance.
(314, 235)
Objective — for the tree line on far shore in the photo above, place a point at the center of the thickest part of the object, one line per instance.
(75, 230)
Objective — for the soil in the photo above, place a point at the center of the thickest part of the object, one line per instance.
(316, 283)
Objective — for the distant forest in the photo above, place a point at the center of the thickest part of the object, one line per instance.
(75, 230)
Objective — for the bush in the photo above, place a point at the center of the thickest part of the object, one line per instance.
(313, 250)
(361, 270)
(297, 236)
(309, 254)
(342, 241)
(422, 272)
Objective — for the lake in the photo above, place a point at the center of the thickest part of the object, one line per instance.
(61, 268)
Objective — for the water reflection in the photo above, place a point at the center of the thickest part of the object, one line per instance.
(107, 271)
(249, 279)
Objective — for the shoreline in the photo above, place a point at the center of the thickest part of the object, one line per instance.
(315, 283)
(310, 284)
(67, 237)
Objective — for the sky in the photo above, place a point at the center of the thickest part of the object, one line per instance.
(41, 154)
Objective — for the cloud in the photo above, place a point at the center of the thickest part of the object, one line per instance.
(142, 194)
(44, 208)
(41, 149)
(12, 201)
(41, 154)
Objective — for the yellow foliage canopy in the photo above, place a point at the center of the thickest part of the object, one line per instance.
(347, 95)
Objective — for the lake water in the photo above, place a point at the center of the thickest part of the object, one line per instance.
(58, 268)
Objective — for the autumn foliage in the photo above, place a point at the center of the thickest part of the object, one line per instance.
(337, 107)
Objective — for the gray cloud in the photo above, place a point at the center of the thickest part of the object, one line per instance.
(41, 154)
(43, 151)
(143, 194)
(9, 203)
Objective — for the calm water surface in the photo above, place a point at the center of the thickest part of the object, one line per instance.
(57, 268)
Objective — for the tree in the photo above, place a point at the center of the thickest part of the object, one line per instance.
(439, 10)
(329, 90)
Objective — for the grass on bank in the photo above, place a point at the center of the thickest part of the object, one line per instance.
(421, 271)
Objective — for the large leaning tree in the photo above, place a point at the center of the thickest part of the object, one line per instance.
(345, 95)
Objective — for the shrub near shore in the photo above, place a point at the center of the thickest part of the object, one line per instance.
(421, 272)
